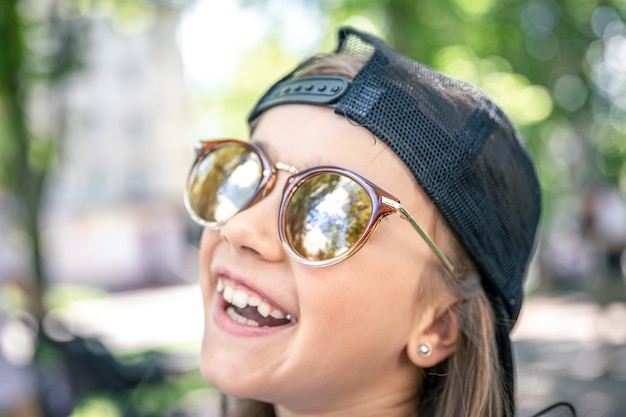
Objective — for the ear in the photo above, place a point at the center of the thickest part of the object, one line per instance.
(441, 335)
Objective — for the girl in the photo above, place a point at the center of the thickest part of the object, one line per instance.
(364, 252)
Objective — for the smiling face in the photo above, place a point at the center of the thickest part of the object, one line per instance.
(334, 337)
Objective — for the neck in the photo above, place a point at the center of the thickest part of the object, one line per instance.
(390, 395)
(393, 406)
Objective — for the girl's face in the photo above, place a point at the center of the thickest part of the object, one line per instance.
(345, 345)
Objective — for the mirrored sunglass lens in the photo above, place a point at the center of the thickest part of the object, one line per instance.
(223, 181)
(326, 216)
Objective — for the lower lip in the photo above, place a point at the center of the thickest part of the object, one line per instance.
(230, 326)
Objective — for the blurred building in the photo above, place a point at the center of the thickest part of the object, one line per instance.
(115, 216)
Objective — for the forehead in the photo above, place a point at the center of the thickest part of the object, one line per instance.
(304, 135)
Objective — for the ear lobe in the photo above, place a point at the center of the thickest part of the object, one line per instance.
(441, 336)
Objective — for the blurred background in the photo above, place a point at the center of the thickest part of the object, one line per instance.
(101, 102)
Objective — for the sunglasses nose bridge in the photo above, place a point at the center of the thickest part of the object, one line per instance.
(281, 166)
(271, 176)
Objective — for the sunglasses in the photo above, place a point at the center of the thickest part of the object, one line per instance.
(326, 213)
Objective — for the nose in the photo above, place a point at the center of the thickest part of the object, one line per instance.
(254, 231)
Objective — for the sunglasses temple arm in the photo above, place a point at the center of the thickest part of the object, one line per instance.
(443, 258)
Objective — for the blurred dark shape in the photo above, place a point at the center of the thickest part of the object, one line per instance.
(604, 223)
(85, 366)
(604, 228)
(562, 409)
(584, 248)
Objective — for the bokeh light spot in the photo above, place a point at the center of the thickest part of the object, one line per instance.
(570, 92)
(475, 8)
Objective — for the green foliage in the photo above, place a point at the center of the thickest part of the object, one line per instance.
(546, 62)
(168, 398)
(11, 94)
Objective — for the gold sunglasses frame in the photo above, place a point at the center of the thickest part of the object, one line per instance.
(383, 203)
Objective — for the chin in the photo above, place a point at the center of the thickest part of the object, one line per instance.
(226, 376)
(223, 382)
(233, 387)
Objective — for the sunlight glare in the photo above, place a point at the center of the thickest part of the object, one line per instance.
(212, 36)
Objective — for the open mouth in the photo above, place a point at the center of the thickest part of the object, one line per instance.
(247, 308)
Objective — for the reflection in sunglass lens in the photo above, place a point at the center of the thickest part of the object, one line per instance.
(223, 181)
(326, 216)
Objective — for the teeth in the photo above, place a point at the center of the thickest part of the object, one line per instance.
(277, 314)
(228, 294)
(264, 309)
(240, 299)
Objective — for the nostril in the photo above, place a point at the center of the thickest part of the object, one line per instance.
(250, 250)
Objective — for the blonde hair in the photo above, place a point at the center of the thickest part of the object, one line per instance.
(469, 383)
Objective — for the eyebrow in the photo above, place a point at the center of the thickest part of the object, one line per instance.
(304, 165)
(261, 145)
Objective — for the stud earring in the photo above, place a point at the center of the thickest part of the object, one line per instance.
(425, 349)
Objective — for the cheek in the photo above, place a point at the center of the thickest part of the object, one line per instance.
(209, 239)
(208, 243)
(369, 309)
(356, 322)
(384, 283)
